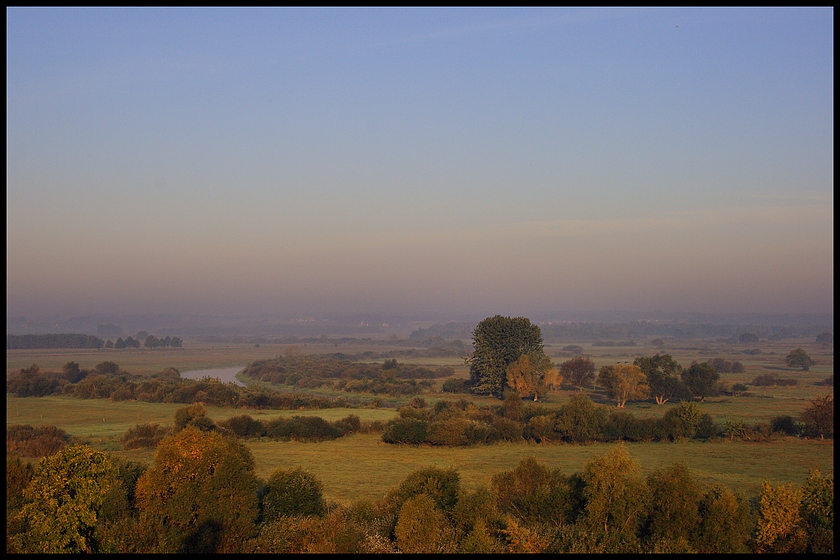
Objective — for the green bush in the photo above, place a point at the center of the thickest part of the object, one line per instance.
(292, 492)
(682, 421)
(581, 420)
(456, 386)
(533, 493)
(243, 426)
(350, 424)
(405, 430)
(449, 431)
(785, 425)
(144, 435)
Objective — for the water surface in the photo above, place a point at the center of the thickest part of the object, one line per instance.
(225, 375)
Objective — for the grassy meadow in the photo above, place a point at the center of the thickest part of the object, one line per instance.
(362, 467)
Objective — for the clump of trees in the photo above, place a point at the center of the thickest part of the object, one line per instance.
(773, 380)
(500, 342)
(108, 381)
(579, 421)
(314, 371)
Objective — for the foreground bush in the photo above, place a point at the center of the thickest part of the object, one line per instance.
(28, 441)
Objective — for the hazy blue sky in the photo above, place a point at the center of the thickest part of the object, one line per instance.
(446, 161)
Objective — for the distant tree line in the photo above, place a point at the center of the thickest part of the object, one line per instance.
(558, 332)
(26, 341)
(149, 341)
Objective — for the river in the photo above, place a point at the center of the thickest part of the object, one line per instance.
(225, 375)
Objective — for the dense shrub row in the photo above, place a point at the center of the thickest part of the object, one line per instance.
(336, 370)
(108, 381)
(297, 428)
(773, 380)
(583, 421)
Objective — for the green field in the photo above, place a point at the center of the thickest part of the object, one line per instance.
(362, 467)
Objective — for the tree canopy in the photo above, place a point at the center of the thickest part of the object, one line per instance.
(663, 377)
(498, 342)
(578, 371)
(62, 502)
(799, 359)
(624, 382)
(702, 380)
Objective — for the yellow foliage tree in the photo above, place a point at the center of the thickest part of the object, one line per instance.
(422, 528)
(521, 539)
(532, 375)
(624, 382)
(780, 527)
(199, 494)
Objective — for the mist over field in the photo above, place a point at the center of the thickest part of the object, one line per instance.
(347, 170)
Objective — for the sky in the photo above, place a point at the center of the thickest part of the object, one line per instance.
(435, 161)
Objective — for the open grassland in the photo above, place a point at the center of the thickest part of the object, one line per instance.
(362, 467)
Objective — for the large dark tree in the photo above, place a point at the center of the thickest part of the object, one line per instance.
(578, 371)
(799, 359)
(702, 380)
(498, 342)
(663, 377)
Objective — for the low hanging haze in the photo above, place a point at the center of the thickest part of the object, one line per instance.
(444, 162)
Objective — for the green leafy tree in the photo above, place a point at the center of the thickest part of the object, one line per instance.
(71, 372)
(683, 420)
(442, 485)
(533, 493)
(725, 522)
(189, 415)
(293, 492)
(799, 359)
(578, 371)
(616, 499)
(702, 380)
(624, 382)
(818, 512)
(63, 502)
(818, 417)
(498, 342)
(107, 368)
(675, 504)
(151, 341)
(663, 377)
(580, 420)
(199, 494)
(422, 528)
